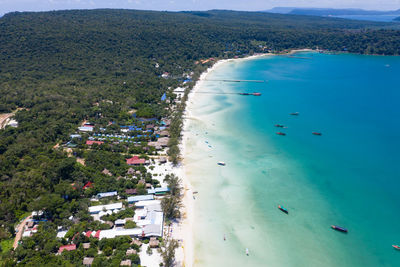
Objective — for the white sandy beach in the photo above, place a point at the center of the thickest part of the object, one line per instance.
(183, 231)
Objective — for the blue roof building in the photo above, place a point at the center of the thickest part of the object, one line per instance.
(158, 191)
(140, 198)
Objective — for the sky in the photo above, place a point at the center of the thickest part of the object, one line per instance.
(179, 5)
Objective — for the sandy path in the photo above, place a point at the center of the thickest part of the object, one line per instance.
(20, 231)
(4, 119)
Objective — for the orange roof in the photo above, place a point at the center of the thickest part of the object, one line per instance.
(135, 160)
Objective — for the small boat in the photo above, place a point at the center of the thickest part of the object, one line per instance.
(244, 94)
(247, 251)
(316, 133)
(280, 133)
(256, 94)
(221, 163)
(396, 247)
(224, 237)
(338, 228)
(294, 113)
(279, 125)
(283, 209)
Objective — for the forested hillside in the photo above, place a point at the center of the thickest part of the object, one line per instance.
(61, 68)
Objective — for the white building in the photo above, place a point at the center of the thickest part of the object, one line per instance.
(114, 207)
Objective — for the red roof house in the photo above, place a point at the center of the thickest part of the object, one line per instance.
(97, 235)
(67, 247)
(91, 142)
(135, 160)
(88, 233)
(88, 185)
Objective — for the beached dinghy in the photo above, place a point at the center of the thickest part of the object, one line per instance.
(338, 228)
(283, 209)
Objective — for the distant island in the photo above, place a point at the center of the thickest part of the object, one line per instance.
(346, 13)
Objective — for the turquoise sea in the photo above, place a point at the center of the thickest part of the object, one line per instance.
(348, 176)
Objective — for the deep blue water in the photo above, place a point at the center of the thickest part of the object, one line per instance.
(349, 176)
(381, 18)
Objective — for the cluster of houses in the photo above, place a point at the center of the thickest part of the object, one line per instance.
(127, 134)
(32, 224)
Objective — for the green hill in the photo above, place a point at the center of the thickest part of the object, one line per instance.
(60, 68)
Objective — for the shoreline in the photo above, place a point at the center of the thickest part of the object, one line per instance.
(185, 253)
(184, 229)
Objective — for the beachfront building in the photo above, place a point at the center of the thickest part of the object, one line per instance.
(158, 191)
(148, 217)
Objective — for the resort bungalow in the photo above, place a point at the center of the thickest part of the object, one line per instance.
(126, 263)
(87, 261)
(140, 198)
(67, 247)
(91, 142)
(135, 160)
(131, 191)
(106, 194)
(120, 223)
(158, 191)
(77, 136)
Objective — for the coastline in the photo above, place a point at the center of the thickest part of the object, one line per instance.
(183, 231)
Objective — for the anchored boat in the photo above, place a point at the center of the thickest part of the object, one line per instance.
(316, 133)
(339, 228)
(280, 133)
(396, 247)
(294, 113)
(283, 209)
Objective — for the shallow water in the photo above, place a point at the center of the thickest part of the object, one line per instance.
(349, 176)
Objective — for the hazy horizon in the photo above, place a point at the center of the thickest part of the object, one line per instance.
(7, 6)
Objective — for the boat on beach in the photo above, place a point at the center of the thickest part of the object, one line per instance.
(280, 133)
(316, 133)
(221, 163)
(396, 247)
(283, 209)
(339, 228)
